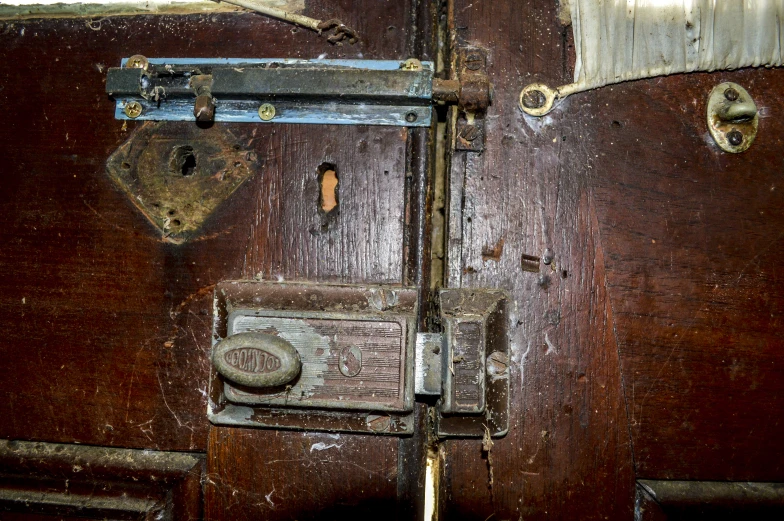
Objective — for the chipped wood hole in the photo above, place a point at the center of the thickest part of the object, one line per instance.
(494, 253)
(328, 180)
(530, 263)
(328, 199)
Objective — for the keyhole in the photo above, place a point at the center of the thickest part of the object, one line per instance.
(328, 200)
(328, 179)
(182, 161)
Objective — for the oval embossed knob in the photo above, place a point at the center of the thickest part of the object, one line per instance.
(256, 360)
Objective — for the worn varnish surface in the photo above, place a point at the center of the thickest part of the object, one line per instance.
(263, 474)
(694, 242)
(568, 445)
(650, 346)
(107, 325)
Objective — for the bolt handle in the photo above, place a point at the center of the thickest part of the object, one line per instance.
(256, 360)
(204, 108)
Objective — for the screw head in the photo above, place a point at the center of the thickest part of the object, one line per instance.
(534, 99)
(412, 64)
(133, 109)
(378, 423)
(469, 132)
(734, 137)
(497, 363)
(411, 117)
(266, 112)
(731, 94)
(473, 62)
(137, 61)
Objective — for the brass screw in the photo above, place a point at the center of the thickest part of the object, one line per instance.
(266, 112)
(412, 64)
(133, 109)
(137, 61)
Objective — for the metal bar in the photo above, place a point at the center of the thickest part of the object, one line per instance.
(370, 92)
(366, 85)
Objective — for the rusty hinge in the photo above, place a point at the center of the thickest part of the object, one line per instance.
(269, 90)
(348, 358)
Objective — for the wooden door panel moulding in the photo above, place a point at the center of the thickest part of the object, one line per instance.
(88, 481)
(708, 500)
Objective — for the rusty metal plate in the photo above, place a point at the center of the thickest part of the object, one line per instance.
(177, 174)
(475, 402)
(356, 346)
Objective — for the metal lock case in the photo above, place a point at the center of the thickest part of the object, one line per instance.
(356, 347)
(348, 358)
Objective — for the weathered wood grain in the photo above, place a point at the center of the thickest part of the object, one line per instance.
(568, 453)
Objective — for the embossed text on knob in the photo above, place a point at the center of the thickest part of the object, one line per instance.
(256, 360)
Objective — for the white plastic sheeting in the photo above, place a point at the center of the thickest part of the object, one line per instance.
(620, 40)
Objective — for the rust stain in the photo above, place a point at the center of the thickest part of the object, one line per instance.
(493, 253)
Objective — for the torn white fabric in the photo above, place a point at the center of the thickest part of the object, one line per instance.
(621, 40)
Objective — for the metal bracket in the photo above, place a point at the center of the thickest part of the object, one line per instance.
(476, 94)
(348, 358)
(733, 118)
(468, 364)
(271, 90)
(178, 175)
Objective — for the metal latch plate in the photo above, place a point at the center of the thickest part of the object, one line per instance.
(356, 344)
(353, 361)
(475, 397)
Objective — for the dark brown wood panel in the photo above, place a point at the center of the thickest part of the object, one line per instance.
(567, 454)
(107, 325)
(694, 242)
(262, 474)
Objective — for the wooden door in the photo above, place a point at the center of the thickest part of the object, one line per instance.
(642, 266)
(109, 319)
(647, 348)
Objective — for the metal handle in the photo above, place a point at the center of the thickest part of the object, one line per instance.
(256, 360)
